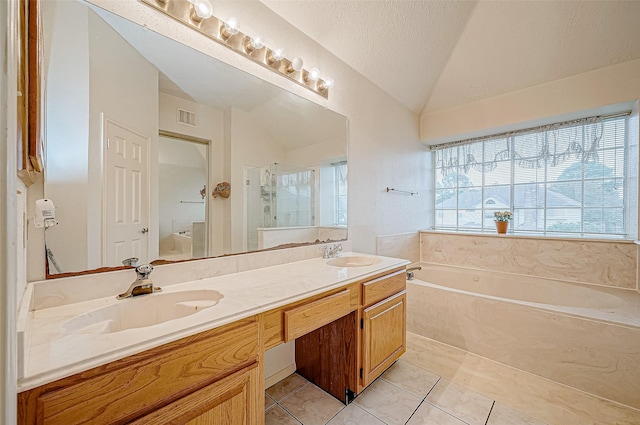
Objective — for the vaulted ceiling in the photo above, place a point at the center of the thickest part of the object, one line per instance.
(436, 54)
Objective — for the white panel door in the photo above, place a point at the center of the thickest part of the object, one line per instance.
(126, 230)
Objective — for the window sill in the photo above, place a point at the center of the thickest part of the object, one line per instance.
(524, 235)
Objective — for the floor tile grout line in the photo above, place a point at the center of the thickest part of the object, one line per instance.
(366, 411)
(490, 410)
(292, 392)
(423, 400)
(407, 391)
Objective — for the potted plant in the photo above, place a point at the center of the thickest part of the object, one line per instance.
(502, 220)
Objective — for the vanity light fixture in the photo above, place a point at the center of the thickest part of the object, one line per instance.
(202, 9)
(252, 43)
(295, 65)
(198, 15)
(312, 75)
(325, 84)
(229, 28)
(275, 55)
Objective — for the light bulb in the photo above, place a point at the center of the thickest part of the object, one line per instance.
(275, 55)
(202, 9)
(326, 83)
(296, 65)
(253, 43)
(313, 74)
(230, 28)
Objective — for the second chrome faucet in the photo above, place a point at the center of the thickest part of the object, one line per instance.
(142, 285)
(331, 252)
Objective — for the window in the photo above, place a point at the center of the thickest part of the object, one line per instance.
(565, 179)
(340, 178)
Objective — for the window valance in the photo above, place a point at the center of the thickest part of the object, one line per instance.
(530, 148)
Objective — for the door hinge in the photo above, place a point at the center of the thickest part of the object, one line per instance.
(108, 143)
(361, 373)
(361, 323)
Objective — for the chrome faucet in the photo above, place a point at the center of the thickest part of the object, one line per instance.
(142, 285)
(410, 270)
(331, 252)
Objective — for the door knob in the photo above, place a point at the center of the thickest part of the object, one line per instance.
(144, 230)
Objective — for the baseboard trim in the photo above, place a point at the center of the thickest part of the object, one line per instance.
(279, 376)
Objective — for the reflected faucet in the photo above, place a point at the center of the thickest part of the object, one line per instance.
(142, 285)
(133, 261)
(331, 252)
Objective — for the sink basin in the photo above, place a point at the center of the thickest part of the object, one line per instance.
(353, 261)
(145, 310)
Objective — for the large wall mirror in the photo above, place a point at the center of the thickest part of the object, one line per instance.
(141, 132)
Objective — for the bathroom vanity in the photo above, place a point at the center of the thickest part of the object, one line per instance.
(348, 322)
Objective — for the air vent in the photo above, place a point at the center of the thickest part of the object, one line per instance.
(186, 117)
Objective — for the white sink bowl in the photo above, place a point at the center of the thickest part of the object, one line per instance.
(142, 311)
(353, 261)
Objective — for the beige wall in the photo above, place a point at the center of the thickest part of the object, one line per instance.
(535, 105)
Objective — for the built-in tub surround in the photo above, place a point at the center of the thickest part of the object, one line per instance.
(401, 245)
(599, 262)
(584, 336)
(51, 352)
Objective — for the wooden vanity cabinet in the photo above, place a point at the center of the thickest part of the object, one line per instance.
(213, 377)
(384, 336)
(343, 357)
(382, 324)
(345, 338)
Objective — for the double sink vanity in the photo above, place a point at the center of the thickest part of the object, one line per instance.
(194, 352)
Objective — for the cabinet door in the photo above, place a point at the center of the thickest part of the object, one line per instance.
(235, 400)
(384, 336)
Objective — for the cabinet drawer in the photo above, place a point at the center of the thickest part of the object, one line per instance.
(122, 394)
(303, 319)
(378, 289)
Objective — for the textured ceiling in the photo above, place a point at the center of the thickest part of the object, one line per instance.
(431, 55)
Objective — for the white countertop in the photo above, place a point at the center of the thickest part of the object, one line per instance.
(51, 353)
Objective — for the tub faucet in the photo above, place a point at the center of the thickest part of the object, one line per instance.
(410, 270)
(142, 285)
(331, 252)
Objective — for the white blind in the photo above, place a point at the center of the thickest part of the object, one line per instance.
(568, 178)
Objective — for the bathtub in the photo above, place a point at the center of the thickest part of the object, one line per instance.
(176, 246)
(584, 336)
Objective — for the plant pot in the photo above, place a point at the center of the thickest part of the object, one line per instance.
(502, 227)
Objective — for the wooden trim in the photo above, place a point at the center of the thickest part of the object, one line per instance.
(35, 85)
(29, 151)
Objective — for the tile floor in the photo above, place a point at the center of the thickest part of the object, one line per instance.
(404, 394)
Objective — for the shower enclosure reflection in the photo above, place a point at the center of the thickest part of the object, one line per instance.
(288, 203)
